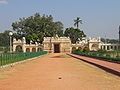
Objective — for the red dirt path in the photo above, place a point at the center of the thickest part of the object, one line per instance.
(108, 66)
(57, 72)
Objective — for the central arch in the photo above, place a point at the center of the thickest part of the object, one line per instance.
(57, 48)
(95, 47)
(27, 49)
(19, 48)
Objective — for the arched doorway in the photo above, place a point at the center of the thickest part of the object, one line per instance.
(27, 49)
(73, 49)
(56, 48)
(95, 47)
(19, 48)
(86, 49)
(33, 49)
(39, 49)
(79, 48)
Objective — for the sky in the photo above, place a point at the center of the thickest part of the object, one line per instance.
(101, 18)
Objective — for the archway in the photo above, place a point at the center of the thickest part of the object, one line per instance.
(73, 49)
(86, 49)
(27, 49)
(95, 47)
(79, 48)
(19, 48)
(39, 49)
(33, 49)
(56, 48)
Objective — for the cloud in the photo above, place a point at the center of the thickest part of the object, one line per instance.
(3, 1)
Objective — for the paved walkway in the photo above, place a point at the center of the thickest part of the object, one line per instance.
(108, 66)
(57, 72)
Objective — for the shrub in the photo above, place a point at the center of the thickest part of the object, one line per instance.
(99, 55)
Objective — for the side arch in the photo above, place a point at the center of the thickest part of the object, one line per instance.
(33, 49)
(79, 48)
(27, 49)
(39, 49)
(73, 49)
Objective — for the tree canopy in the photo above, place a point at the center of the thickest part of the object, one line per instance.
(74, 34)
(4, 39)
(113, 41)
(37, 27)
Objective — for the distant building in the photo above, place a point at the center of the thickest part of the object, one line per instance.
(63, 45)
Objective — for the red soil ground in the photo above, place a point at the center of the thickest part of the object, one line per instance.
(57, 72)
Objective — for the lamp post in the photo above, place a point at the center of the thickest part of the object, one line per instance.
(50, 44)
(10, 34)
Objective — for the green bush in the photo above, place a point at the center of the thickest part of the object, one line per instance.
(98, 55)
(102, 51)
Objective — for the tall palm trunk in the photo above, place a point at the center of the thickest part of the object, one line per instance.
(50, 45)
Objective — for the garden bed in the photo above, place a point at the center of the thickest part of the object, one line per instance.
(7, 58)
(98, 55)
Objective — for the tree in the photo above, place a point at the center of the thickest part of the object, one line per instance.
(74, 34)
(4, 41)
(37, 27)
(113, 41)
(77, 21)
(4, 38)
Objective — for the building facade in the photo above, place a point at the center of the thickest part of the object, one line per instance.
(57, 44)
(21, 46)
(63, 45)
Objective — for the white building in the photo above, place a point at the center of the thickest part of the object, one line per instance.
(63, 44)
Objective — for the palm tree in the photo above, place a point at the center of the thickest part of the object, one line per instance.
(119, 39)
(77, 21)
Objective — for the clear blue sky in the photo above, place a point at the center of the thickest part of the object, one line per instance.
(100, 17)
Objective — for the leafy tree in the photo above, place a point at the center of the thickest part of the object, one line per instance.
(74, 34)
(77, 21)
(4, 39)
(36, 27)
(113, 41)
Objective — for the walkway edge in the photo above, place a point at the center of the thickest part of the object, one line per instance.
(115, 72)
